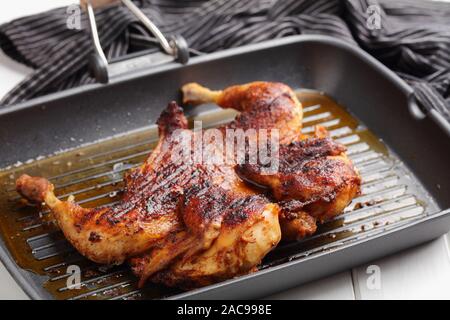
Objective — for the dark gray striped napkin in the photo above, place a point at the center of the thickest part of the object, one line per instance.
(410, 37)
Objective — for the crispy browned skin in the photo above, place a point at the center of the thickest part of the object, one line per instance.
(203, 217)
(314, 178)
(230, 235)
(236, 248)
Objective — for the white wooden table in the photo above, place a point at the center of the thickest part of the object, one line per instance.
(419, 273)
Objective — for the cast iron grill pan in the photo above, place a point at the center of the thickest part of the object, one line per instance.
(405, 185)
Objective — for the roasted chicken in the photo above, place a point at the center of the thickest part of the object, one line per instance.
(189, 223)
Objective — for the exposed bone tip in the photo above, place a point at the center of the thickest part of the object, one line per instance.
(34, 189)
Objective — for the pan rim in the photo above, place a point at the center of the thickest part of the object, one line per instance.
(321, 39)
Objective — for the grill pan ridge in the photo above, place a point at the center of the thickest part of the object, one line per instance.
(398, 207)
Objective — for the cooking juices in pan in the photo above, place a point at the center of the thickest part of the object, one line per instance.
(93, 174)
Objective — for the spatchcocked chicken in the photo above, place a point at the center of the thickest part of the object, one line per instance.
(189, 222)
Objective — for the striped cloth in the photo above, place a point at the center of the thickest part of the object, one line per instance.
(413, 38)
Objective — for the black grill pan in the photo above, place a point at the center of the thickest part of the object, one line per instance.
(415, 176)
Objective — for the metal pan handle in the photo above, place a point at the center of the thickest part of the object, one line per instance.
(175, 49)
(420, 113)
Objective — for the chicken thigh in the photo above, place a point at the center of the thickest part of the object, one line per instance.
(187, 222)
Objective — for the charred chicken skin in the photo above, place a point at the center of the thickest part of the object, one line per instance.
(315, 181)
(188, 224)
